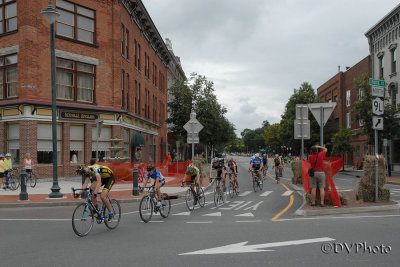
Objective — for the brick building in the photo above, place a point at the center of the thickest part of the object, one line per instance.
(340, 89)
(111, 64)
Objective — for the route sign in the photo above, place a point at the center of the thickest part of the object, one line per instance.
(377, 123)
(377, 82)
(377, 106)
(378, 91)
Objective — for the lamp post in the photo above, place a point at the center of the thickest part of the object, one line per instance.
(51, 15)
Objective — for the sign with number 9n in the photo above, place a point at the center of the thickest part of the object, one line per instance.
(377, 106)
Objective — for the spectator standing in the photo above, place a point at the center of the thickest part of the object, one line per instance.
(8, 163)
(169, 158)
(28, 163)
(138, 155)
(318, 180)
(173, 156)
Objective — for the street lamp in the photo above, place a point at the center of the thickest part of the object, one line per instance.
(51, 15)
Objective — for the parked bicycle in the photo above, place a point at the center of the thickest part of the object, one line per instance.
(31, 178)
(233, 188)
(148, 204)
(194, 195)
(12, 180)
(85, 213)
(219, 194)
(256, 180)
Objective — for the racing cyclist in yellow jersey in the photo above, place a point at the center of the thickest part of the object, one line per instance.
(99, 175)
(192, 172)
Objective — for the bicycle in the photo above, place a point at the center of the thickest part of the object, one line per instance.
(256, 180)
(233, 185)
(31, 177)
(277, 174)
(148, 204)
(86, 212)
(11, 180)
(219, 194)
(194, 196)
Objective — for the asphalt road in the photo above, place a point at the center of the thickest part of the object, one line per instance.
(252, 228)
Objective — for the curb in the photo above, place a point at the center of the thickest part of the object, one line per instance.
(301, 212)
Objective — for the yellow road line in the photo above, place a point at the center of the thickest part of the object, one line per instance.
(285, 209)
(290, 202)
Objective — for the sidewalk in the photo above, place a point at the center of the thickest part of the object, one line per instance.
(394, 179)
(122, 191)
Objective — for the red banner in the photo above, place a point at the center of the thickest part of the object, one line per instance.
(124, 171)
(331, 168)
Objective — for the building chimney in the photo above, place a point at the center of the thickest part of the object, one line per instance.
(347, 68)
(338, 68)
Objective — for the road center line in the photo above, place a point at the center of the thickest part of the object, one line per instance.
(285, 209)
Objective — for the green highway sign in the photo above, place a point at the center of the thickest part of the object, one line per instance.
(377, 82)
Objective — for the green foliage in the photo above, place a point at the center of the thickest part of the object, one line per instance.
(304, 95)
(254, 139)
(272, 137)
(341, 142)
(199, 95)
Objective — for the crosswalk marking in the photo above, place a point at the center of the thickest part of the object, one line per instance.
(201, 222)
(186, 213)
(266, 193)
(215, 214)
(249, 214)
(287, 193)
(247, 203)
(245, 193)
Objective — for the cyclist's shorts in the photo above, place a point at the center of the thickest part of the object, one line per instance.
(256, 168)
(219, 175)
(190, 179)
(108, 182)
(161, 182)
(28, 170)
(277, 164)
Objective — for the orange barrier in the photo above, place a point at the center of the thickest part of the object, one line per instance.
(332, 166)
(124, 171)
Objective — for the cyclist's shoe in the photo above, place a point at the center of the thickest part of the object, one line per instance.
(110, 216)
(195, 201)
(224, 188)
(159, 204)
(261, 182)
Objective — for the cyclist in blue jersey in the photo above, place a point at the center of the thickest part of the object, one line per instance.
(155, 176)
(256, 164)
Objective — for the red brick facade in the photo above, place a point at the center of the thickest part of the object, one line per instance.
(116, 74)
(336, 90)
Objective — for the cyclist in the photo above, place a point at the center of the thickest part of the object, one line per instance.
(265, 162)
(218, 166)
(256, 164)
(158, 178)
(3, 169)
(278, 166)
(193, 173)
(8, 163)
(98, 175)
(232, 168)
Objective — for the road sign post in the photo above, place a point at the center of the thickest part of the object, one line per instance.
(377, 92)
(193, 127)
(322, 112)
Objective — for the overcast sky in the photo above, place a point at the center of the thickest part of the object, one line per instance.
(257, 51)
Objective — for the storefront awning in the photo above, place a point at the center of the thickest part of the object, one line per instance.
(137, 140)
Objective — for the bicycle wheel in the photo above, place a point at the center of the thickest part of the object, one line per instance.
(230, 189)
(260, 184)
(165, 208)
(13, 182)
(82, 220)
(189, 197)
(146, 209)
(33, 180)
(116, 207)
(236, 188)
(255, 183)
(201, 198)
(216, 194)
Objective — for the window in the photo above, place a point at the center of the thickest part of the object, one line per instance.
(45, 143)
(393, 56)
(127, 92)
(123, 89)
(135, 94)
(348, 98)
(76, 143)
(75, 81)
(139, 100)
(75, 22)
(8, 16)
(360, 94)
(358, 151)
(335, 98)
(139, 59)
(361, 123)
(154, 74)
(145, 103)
(104, 144)
(8, 76)
(348, 120)
(13, 142)
(123, 45)
(127, 43)
(381, 64)
(135, 47)
(146, 67)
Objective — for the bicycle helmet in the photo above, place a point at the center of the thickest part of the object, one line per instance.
(8, 155)
(80, 169)
(215, 160)
(2, 156)
(190, 167)
(150, 167)
(257, 155)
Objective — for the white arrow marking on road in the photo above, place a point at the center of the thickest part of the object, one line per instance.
(245, 193)
(266, 193)
(233, 205)
(213, 214)
(249, 214)
(183, 213)
(247, 203)
(254, 206)
(242, 248)
(287, 193)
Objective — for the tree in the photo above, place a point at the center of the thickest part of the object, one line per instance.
(341, 142)
(272, 137)
(304, 95)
